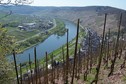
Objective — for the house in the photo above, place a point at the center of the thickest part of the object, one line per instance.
(30, 25)
(27, 26)
(21, 27)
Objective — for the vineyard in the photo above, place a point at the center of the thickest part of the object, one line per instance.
(104, 65)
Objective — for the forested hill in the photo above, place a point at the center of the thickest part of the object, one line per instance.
(91, 16)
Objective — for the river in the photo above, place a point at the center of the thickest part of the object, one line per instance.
(52, 43)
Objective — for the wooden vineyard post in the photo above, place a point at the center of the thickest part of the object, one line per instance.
(67, 58)
(101, 54)
(46, 79)
(116, 48)
(36, 78)
(75, 53)
(15, 63)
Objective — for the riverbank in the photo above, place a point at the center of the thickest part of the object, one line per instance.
(59, 29)
(50, 45)
(57, 54)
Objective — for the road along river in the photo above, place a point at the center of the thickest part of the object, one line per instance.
(52, 43)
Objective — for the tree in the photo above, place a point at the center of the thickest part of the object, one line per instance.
(6, 69)
(15, 2)
(6, 44)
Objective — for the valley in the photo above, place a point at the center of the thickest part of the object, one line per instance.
(63, 45)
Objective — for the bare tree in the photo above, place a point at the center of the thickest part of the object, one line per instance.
(6, 3)
(15, 2)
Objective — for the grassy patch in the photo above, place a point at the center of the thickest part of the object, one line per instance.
(21, 35)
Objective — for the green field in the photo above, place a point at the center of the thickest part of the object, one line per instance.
(19, 34)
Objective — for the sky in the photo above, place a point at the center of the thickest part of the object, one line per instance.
(113, 3)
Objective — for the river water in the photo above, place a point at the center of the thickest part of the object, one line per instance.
(52, 43)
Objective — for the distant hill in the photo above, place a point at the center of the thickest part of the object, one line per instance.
(90, 16)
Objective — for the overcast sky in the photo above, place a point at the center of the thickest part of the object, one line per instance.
(114, 3)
